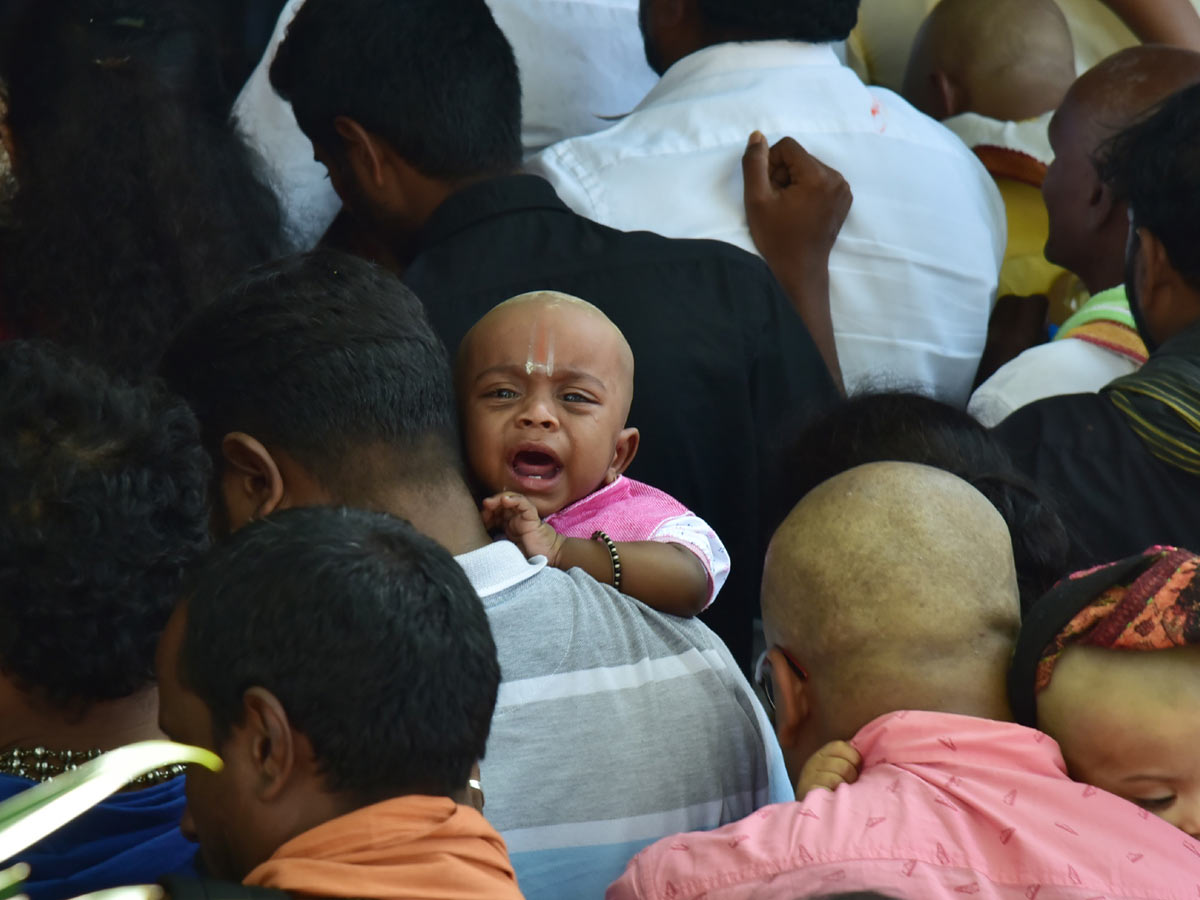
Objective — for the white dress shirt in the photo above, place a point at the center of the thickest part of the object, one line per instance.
(580, 61)
(914, 272)
(1068, 366)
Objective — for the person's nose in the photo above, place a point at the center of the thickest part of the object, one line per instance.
(538, 413)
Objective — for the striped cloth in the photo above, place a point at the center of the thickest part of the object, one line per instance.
(1162, 401)
(615, 726)
(1106, 321)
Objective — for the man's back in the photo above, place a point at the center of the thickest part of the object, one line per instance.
(946, 806)
(915, 269)
(724, 364)
(1117, 498)
(615, 726)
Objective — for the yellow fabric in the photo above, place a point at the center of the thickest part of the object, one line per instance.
(879, 47)
(409, 848)
(1025, 270)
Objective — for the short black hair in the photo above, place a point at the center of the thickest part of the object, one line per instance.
(368, 633)
(137, 200)
(813, 21)
(436, 79)
(1155, 167)
(907, 427)
(103, 507)
(322, 354)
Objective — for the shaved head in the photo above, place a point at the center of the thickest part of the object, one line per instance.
(1007, 59)
(527, 310)
(1110, 97)
(1088, 227)
(893, 584)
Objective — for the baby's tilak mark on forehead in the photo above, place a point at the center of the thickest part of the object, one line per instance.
(541, 351)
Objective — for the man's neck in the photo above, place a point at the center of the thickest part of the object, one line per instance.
(27, 722)
(447, 514)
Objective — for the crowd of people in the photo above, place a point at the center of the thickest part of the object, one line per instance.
(672, 449)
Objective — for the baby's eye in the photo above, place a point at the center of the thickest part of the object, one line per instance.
(501, 394)
(575, 397)
(1154, 804)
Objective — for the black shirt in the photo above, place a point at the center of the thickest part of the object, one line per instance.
(1116, 497)
(723, 363)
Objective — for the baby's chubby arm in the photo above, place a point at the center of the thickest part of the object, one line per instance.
(834, 764)
(665, 576)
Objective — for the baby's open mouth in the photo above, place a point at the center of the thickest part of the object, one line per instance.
(536, 464)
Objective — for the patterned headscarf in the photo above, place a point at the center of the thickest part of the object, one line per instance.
(1147, 602)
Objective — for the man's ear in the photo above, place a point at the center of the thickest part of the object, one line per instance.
(251, 485)
(1103, 205)
(947, 97)
(363, 152)
(1156, 276)
(793, 704)
(269, 740)
(626, 450)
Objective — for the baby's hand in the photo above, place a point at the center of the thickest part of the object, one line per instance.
(835, 763)
(519, 519)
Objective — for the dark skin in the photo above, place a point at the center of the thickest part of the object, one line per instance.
(796, 206)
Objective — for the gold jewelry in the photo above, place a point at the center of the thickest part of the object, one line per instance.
(616, 557)
(40, 764)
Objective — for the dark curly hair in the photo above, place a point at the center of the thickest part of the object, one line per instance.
(102, 508)
(136, 198)
(814, 21)
(903, 427)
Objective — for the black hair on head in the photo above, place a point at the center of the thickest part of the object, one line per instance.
(812, 21)
(905, 427)
(369, 635)
(436, 79)
(136, 199)
(321, 355)
(1155, 167)
(103, 506)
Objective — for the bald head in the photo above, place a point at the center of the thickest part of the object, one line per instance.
(1110, 97)
(1088, 226)
(894, 585)
(544, 329)
(1007, 59)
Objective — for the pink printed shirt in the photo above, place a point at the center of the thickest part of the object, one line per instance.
(946, 807)
(628, 510)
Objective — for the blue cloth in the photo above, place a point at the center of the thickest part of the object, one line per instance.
(131, 838)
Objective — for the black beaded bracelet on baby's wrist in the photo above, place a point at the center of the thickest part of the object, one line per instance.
(616, 557)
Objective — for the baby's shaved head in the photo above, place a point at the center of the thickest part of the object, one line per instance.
(891, 583)
(521, 315)
(998, 53)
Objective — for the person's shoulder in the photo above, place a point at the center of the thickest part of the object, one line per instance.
(1055, 369)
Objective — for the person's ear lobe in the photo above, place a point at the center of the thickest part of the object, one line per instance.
(1153, 273)
(1102, 205)
(363, 152)
(626, 449)
(251, 484)
(793, 705)
(270, 742)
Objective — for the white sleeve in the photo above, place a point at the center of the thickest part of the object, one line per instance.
(574, 184)
(267, 123)
(698, 536)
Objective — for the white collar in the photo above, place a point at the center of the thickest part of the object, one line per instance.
(1031, 137)
(497, 567)
(739, 56)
